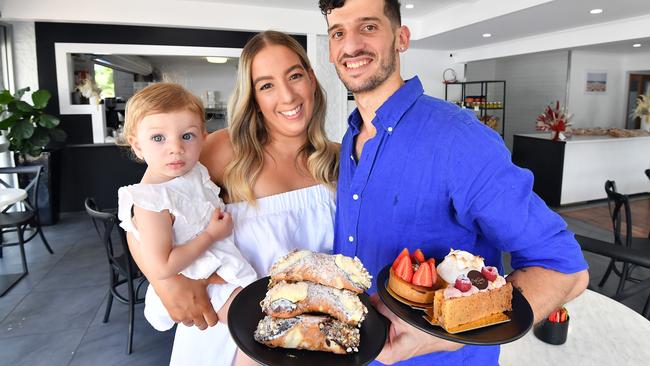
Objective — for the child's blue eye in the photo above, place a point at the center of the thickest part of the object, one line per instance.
(188, 136)
(157, 138)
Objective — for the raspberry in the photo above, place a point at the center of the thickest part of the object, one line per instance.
(490, 273)
(463, 283)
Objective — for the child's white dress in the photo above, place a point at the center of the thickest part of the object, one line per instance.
(191, 199)
(302, 219)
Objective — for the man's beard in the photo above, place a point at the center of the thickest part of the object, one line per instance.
(386, 69)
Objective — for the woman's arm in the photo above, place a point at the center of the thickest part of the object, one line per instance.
(186, 300)
(164, 260)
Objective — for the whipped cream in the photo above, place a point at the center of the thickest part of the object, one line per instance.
(458, 262)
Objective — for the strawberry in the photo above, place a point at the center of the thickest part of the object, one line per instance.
(404, 268)
(418, 256)
(405, 252)
(422, 276)
(490, 273)
(563, 315)
(434, 272)
(463, 283)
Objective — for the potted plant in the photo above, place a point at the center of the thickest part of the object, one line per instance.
(30, 131)
(642, 111)
(554, 119)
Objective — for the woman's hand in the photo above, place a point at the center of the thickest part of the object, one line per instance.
(187, 300)
(223, 312)
(405, 341)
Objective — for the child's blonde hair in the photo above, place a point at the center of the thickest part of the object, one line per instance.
(160, 98)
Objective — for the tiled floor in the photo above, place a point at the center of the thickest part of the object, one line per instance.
(54, 315)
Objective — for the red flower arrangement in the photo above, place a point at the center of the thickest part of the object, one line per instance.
(554, 119)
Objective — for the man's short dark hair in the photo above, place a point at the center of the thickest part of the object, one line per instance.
(391, 9)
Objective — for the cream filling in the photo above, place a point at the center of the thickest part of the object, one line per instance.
(293, 338)
(293, 292)
(452, 292)
(353, 268)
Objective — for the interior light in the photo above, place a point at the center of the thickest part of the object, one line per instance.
(596, 11)
(217, 60)
(636, 45)
(409, 6)
(487, 35)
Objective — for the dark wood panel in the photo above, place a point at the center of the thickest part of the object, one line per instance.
(545, 158)
(95, 171)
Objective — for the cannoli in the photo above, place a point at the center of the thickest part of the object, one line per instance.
(285, 300)
(310, 332)
(336, 271)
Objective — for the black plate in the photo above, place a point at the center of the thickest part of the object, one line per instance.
(245, 313)
(521, 319)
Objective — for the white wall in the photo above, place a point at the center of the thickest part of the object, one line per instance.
(429, 65)
(598, 109)
(532, 82)
(336, 119)
(24, 52)
(637, 62)
(199, 77)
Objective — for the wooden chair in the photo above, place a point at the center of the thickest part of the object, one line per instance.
(122, 268)
(619, 207)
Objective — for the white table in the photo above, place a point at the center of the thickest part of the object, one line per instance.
(601, 332)
(11, 195)
(7, 197)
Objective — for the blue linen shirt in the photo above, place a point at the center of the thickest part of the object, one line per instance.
(435, 178)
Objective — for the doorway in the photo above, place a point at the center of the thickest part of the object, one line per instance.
(639, 84)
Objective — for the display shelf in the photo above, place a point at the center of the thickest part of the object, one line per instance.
(473, 90)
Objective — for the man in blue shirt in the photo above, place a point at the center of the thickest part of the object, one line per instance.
(418, 172)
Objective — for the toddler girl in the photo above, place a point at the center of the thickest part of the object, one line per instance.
(175, 211)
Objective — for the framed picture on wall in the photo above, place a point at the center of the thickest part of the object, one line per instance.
(596, 82)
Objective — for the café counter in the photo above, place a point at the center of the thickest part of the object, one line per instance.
(575, 170)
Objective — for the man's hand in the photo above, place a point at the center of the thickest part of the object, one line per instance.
(187, 300)
(405, 341)
(546, 290)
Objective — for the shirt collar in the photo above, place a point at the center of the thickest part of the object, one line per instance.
(391, 112)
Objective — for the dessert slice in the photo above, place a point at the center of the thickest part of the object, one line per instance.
(336, 271)
(315, 333)
(286, 300)
(475, 298)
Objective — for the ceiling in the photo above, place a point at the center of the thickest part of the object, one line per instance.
(421, 6)
(623, 47)
(552, 16)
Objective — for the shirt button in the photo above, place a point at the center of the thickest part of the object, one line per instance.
(355, 196)
(350, 238)
(390, 129)
(352, 157)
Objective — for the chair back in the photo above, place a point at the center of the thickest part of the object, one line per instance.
(118, 254)
(619, 210)
(29, 176)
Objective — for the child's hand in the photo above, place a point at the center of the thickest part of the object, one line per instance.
(220, 225)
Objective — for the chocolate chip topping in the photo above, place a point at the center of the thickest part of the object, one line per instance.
(477, 279)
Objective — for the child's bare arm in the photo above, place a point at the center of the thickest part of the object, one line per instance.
(161, 258)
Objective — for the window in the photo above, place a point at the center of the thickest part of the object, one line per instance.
(104, 81)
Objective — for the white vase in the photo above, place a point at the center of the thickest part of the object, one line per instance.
(645, 123)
